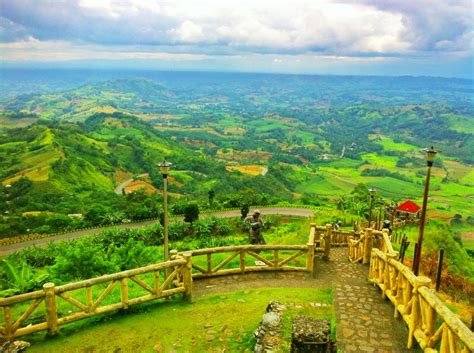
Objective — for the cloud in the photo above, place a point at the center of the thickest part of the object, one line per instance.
(342, 28)
(35, 50)
(244, 34)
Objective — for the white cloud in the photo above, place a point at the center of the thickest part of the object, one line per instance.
(35, 50)
(339, 28)
(188, 31)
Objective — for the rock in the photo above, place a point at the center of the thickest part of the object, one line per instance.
(210, 338)
(206, 326)
(347, 332)
(310, 335)
(268, 333)
(14, 347)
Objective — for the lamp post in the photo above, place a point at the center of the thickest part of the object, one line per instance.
(372, 195)
(164, 170)
(430, 157)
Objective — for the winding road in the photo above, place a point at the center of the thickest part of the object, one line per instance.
(6, 250)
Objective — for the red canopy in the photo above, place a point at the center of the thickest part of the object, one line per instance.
(408, 206)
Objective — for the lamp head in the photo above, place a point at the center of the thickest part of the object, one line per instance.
(430, 155)
(372, 192)
(164, 168)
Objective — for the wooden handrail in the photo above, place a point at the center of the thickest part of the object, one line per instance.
(429, 320)
(119, 275)
(246, 247)
(178, 275)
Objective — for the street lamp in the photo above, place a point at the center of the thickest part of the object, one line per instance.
(430, 157)
(164, 170)
(372, 195)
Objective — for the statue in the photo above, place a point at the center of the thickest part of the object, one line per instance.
(256, 224)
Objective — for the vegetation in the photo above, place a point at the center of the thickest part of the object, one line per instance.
(234, 140)
(160, 327)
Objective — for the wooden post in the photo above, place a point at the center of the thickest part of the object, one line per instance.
(275, 259)
(327, 241)
(414, 256)
(188, 277)
(172, 256)
(440, 269)
(416, 315)
(51, 311)
(7, 315)
(310, 258)
(406, 244)
(209, 263)
(368, 243)
(387, 280)
(124, 292)
(242, 260)
(89, 300)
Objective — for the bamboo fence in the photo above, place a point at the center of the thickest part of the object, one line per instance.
(430, 322)
(42, 310)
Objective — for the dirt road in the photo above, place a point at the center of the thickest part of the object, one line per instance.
(10, 249)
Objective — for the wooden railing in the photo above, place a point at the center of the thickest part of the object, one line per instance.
(257, 258)
(280, 259)
(54, 306)
(93, 297)
(430, 322)
(360, 249)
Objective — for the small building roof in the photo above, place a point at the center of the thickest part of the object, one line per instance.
(408, 206)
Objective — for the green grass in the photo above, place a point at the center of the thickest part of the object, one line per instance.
(389, 144)
(163, 324)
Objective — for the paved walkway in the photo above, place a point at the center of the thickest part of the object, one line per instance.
(364, 321)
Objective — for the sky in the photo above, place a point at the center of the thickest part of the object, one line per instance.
(366, 37)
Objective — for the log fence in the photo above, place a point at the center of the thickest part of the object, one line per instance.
(163, 280)
(430, 322)
(54, 306)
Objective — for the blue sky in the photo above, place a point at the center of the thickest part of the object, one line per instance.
(367, 37)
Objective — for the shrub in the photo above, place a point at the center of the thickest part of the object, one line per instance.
(83, 260)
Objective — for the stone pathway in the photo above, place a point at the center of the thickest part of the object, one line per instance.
(364, 320)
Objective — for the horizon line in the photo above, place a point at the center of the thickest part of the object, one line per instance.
(133, 69)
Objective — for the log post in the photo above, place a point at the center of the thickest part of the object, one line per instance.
(51, 310)
(89, 300)
(242, 260)
(440, 269)
(209, 263)
(276, 259)
(7, 315)
(327, 241)
(188, 277)
(310, 258)
(416, 315)
(388, 280)
(124, 292)
(368, 244)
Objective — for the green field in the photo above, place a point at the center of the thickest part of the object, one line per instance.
(161, 326)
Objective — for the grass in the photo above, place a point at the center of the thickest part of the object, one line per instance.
(210, 324)
(389, 144)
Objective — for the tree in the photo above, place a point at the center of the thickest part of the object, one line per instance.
(244, 211)
(211, 194)
(191, 212)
